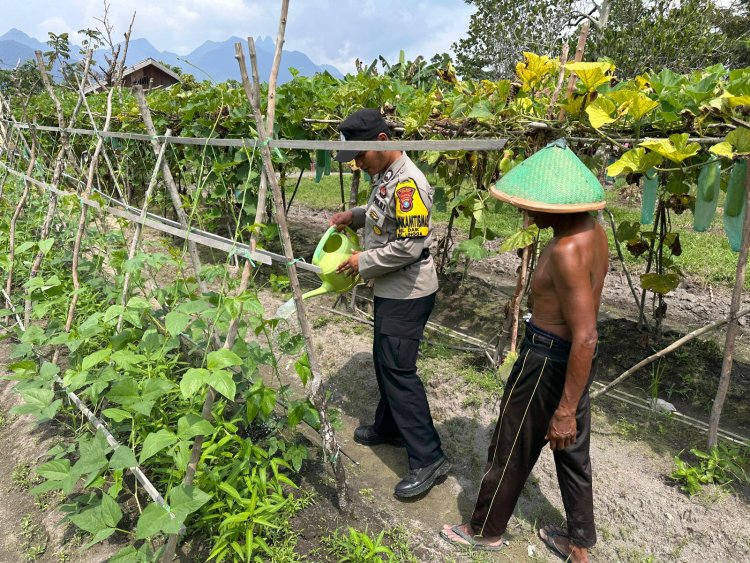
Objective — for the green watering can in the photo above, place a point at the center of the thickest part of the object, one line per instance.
(334, 248)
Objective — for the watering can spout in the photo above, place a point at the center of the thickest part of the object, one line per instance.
(325, 288)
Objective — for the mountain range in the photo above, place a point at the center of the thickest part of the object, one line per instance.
(210, 61)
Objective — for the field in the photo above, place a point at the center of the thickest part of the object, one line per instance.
(642, 514)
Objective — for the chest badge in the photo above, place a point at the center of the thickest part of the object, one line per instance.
(405, 198)
(383, 191)
(374, 215)
(377, 230)
(387, 176)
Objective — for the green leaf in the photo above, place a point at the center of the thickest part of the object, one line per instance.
(192, 425)
(55, 470)
(302, 367)
(95, 358)
(186, 499)
(138, 303)
(127, 360)
(155, 519)
(740, 140)
(223, 383)
(473, 249)
(660, 283)
(118, 415)
(192, 380)
(46, 245)
(223, 358)
(520, 239)
(176, 322)
(113, 312)
(123, 458)
(156, 442)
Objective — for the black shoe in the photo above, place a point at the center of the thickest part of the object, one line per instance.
(418, 481)
(367, 436)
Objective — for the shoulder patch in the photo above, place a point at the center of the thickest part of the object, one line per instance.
(411, 213)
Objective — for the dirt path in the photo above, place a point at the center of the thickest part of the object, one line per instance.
(30, 528)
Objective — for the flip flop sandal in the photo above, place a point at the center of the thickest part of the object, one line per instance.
(471, 541)
(554, 533)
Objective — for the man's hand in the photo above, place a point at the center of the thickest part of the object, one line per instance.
(562, 430)
(351, 266)
(341, 220)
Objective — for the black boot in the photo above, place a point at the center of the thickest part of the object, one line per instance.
(419, 480)
(368, 436)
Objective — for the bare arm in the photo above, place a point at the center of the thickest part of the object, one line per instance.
(572, 281)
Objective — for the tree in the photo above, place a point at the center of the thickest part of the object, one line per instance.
(640, 34)
(681, 35)
(24, 80)
(500, 30)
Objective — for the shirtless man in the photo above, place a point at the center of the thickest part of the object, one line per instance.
(546, 396)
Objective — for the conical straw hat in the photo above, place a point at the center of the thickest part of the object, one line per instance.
(553, 180)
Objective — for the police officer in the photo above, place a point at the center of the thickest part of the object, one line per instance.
(397, 235)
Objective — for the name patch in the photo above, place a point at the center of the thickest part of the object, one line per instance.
(411, 212)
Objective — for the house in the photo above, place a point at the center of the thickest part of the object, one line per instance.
(148, 73)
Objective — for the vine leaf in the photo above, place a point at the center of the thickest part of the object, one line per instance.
(222, 381)
(176, 322)
(676, 148)
(223, 358)
(192, 380)
(591, 75)
(600, 112)
(660, 283)
(637, 160)
(156, 442)
(100, 520)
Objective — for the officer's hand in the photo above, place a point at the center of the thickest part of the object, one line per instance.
(562, 430)
(341, 220)
(351, 266)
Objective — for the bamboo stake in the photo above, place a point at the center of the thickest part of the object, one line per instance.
(625, 268)
(733, 328)
(354, 191)
(577, 58)
(16, 214)
(316, 391)
(59, 166)
(138, 229)
(170, 183)
(669, 349)
(560, 80)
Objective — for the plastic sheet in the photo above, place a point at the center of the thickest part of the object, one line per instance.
(648, 200)
(734, 205)
(707, 196)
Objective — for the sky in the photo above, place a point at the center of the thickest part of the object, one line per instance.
(332, 32)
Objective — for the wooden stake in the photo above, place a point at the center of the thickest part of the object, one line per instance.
(669, 349)
(316, 391)
(733, 327)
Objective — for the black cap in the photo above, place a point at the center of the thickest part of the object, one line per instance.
(362, 125)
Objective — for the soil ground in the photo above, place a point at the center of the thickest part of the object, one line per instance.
(641, 514)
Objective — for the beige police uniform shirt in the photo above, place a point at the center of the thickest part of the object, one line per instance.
(397, 228)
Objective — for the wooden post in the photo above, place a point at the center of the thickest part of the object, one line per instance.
(316, 391)
(174, 194)
(354, 190)
(733, 327)
(59, 166)
(139, 227)
(578, 58)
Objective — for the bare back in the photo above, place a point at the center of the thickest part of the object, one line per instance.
(567, 283)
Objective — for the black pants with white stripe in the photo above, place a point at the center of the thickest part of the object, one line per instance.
(531, 396)
(403, 407)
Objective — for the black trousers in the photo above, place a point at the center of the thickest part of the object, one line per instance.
(531, 397)
(403, 407)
